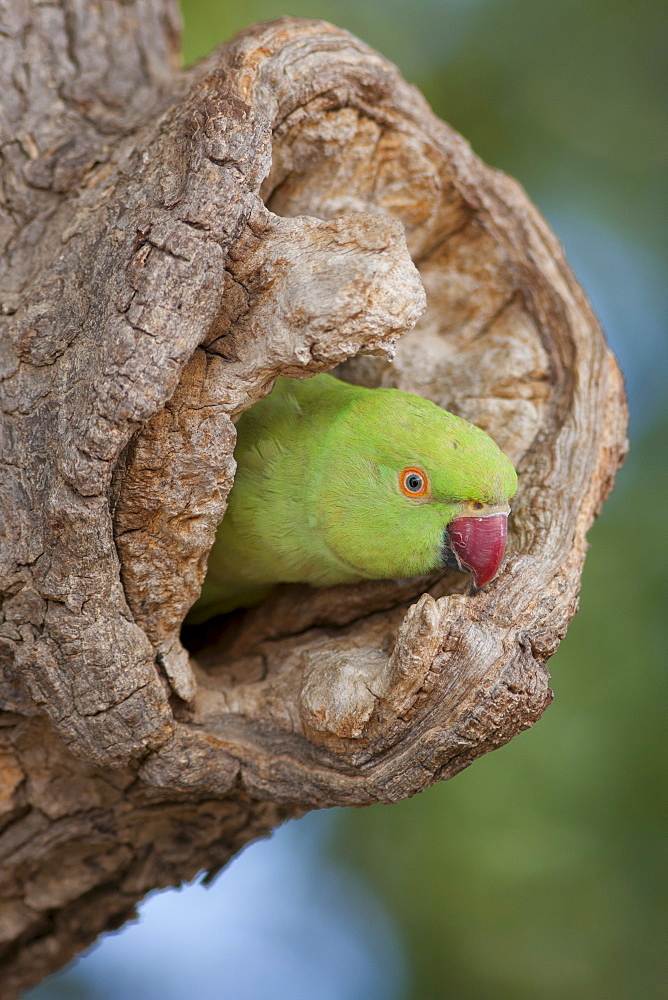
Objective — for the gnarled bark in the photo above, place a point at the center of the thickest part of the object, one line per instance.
(173, 242)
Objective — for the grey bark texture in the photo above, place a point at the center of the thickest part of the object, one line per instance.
(171, 242)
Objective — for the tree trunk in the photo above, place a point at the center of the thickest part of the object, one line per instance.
(172, 241)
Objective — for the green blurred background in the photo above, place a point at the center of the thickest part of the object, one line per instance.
(540, 871)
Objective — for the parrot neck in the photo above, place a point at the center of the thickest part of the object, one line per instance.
(271, 532)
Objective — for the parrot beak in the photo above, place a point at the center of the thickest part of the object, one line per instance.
(478, 544)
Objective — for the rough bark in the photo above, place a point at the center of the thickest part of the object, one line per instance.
(172, 241)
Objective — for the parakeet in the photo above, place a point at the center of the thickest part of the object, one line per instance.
(336, 483)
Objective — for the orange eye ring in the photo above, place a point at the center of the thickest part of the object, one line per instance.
(413, 483)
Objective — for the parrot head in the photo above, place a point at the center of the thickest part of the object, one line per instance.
(407, 487)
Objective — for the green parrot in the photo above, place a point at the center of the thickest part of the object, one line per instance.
(336, 483)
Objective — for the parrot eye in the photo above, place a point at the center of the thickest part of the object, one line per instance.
(413, 483)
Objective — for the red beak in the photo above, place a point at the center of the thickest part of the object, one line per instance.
(479, 544)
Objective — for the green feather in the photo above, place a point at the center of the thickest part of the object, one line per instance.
(317, 496)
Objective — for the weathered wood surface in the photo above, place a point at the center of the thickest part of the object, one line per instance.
(172, 241)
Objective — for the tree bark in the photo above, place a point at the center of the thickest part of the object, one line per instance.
(172, 241)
